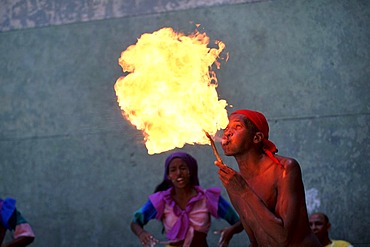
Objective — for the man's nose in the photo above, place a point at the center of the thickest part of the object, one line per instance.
(227, 133)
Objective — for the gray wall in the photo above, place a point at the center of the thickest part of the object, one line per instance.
(79, 170)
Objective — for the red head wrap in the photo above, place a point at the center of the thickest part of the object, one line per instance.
(259, 120)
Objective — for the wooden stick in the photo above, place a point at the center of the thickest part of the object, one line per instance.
(218, 157)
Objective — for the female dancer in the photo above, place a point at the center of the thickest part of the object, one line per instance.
(184, 208)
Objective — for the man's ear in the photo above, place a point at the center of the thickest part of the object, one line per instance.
(328, 226)
(258, 137)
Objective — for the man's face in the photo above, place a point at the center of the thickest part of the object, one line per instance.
(236, 137)
(318, 225)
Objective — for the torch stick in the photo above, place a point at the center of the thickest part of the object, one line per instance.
(218, 157)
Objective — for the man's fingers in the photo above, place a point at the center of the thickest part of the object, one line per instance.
(226, 170)
(221, 165)
(224, 177)
(223, 174)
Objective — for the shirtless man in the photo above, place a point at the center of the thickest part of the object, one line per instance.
(268, 191)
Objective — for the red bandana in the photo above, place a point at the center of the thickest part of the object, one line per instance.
(260, 121)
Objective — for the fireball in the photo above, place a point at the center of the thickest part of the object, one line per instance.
(169, 92)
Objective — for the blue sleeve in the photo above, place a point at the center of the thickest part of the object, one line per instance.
(8, 211)
(144, 214)
(227, 212)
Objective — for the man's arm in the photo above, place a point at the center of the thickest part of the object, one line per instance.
(274, 228)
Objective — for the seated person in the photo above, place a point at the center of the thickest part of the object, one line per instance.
(320, 225)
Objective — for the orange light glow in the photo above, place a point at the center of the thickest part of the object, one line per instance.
(169, 92)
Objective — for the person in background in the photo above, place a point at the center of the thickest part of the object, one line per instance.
(320, 225)
(184, 208)
(11, 219)
(268, 191)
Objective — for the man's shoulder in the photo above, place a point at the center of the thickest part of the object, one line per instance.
(341, 243)
(288, 162)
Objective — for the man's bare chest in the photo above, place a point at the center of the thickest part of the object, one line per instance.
(265, 187)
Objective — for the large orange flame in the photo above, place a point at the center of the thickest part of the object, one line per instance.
(170, 92)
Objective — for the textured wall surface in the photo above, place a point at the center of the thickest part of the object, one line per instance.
(79, 170)
(20, 14)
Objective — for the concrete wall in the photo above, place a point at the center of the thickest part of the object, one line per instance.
(79, 170)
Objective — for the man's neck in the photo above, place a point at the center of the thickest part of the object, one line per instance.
(251, 164)
(325, 241)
